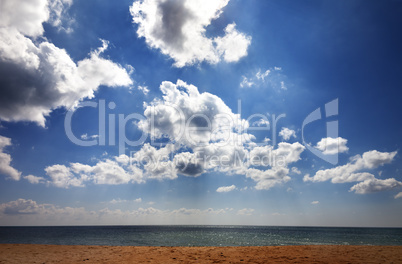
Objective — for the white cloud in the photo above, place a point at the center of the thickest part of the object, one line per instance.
(287, 133)
(246, 83)
(233, 45)
(225, 189)
(262, 122)
(178, 29)
(155, 163)
(283, 155)
(29, 212)
(26, 16)
(330, 146)
(138, 200)
(245, 211)
(21, 206)
(62, 177)
(143, 89)
(58, 14)
(399, 195)
(296, 170)
(38, 77)
(262, 76)
(315, 202)
(34, 179)
(86, 137)
(375, 185)
(266, 179)
(189, 117)
(118, 201)
(204, 124)
(272, 77)
(5, 161)
(350, 172)
(111, 172)
(207, 137)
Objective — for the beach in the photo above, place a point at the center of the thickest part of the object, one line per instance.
(26, 253)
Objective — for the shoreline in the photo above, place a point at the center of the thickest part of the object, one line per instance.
(36, 253)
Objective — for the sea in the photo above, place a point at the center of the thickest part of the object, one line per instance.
(199, 235)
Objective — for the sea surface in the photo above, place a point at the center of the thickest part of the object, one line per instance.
(200, 235)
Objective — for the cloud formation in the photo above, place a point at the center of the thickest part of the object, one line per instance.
(109, 171)
(352, 172)
(287, 133)
(330, 146)
(271, 77)
(225, 189)
(192, 118)
(245, 211)
(178, 29)
(30, 212)
(5, 161)
(36, 76)
(204, 135)
(375, 185)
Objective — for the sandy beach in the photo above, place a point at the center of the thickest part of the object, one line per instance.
(18, 253)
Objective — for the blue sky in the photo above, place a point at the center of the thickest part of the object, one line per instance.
(214, 94)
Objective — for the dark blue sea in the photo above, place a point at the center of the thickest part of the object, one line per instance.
(200, 235)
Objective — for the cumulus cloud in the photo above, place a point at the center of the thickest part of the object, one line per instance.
(315, 202)
(5, 161)
(287, 133)
(155, 163)
(399, 195)
(192, 118)
(375, 185)
(296, 170)
(34, 179)
(38, 77)
(277, 159)
(25, 16)
(330, 146)
(233, 45)
(108, 171)
(266, 179)
(245, 211)
(352, 172)
(204, 135)
(21, 206)
(225, 189)
(178, 29)
(283, 155)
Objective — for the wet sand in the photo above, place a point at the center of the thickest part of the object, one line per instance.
(18, 253)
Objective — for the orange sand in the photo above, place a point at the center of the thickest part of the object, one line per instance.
(284, 254)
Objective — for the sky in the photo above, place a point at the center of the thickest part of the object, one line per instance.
(213, 112)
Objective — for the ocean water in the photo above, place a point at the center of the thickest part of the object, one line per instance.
(200, 235)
